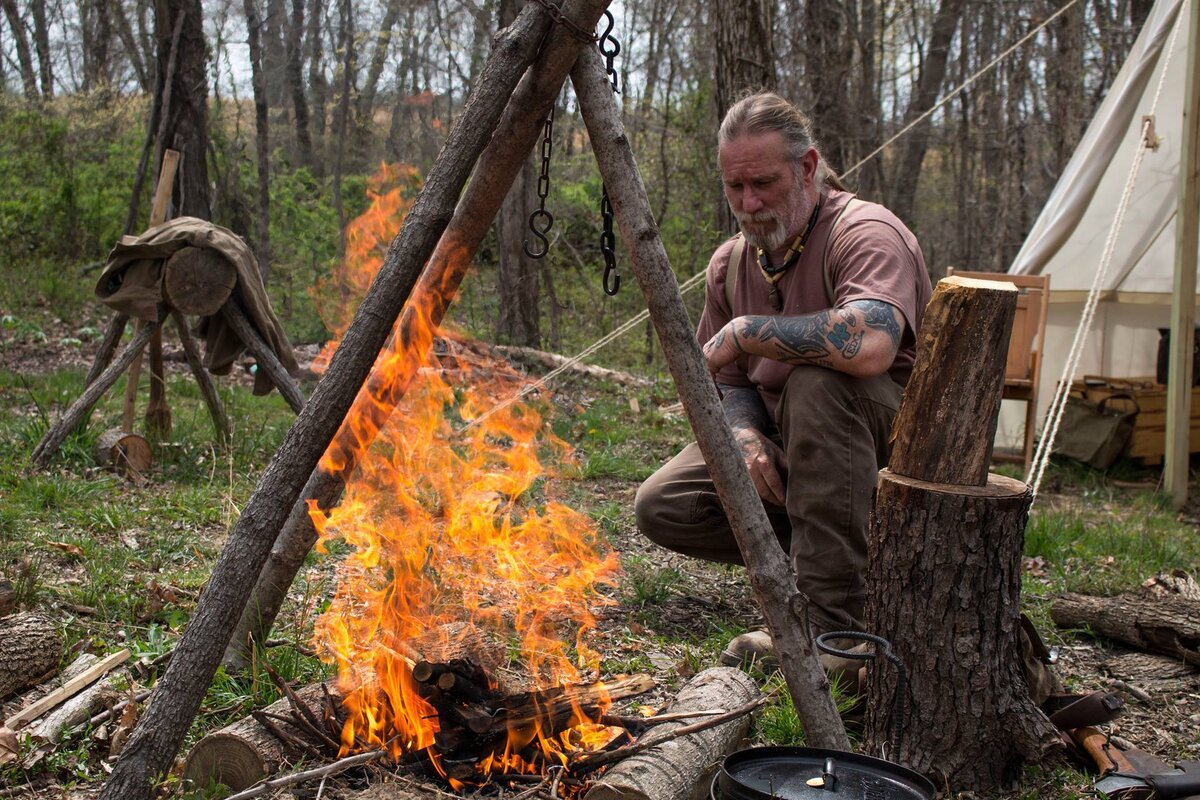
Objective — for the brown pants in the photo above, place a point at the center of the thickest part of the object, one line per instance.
(835, 430)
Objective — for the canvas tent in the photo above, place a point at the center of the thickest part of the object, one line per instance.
(1068, 239)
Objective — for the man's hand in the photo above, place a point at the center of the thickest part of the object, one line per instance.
(766, 463)
(722, 348)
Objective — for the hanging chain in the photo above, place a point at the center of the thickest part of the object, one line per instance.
(557, 15)
(608, 241)
(541, 220)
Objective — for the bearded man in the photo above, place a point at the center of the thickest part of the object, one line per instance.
(809, 328)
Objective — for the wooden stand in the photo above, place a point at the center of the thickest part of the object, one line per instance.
(944, 575)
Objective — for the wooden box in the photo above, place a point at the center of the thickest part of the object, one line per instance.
(1149, 434)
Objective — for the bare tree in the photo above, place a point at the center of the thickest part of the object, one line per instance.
(342, 121)
(24, 58)
(184, 120)
(254, 26)
(132, 50)
(295, 82)
(316, 73)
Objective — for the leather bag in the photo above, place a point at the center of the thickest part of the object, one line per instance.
(1096, 433)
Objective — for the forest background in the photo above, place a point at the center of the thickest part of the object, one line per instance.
(295, 104)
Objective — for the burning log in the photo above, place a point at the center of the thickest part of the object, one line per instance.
(673, 769)
(29, 648)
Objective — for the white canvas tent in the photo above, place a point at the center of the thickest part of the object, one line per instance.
(1068, 239)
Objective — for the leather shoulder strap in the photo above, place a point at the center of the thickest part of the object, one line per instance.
(731, 269)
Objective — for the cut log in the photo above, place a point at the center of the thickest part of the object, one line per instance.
(945, 427)
(69, 689)
(198, 280)
(944, 560)
(8, 598)
(29, 648)
(124, 453)
(78, 709)
(1176, 583)
(245, 752)
(675, 769)
(1151, 672)
(1169, 624)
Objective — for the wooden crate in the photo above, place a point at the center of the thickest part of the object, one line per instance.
(1150, 431)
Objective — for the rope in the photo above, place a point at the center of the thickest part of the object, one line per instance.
(961, 87)
(697, 279)
(1041, 456)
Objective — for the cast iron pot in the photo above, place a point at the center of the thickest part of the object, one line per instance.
(808, 773)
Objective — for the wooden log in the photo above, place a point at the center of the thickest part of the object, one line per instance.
(198, 280)
(108, 346)
(161, 729)
(517, 131)
(771, 576)
(245, 752)
(29, 648)
(69, 689)
(945, 427)
(674, 769)
(78, 709)
(208, 388)
(1167, 624)
(124, 453)
(8, 598)
(944, 587)
(157, 418)
(264, 356)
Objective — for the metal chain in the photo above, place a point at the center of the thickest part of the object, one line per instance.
(541, 220)
(608, 241)
(556, 14)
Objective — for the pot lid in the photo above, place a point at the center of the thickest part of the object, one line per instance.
(808, 773)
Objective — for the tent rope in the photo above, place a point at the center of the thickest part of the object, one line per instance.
(1041, 456)
(697, 279)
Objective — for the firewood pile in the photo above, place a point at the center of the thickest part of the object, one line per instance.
(478, 724)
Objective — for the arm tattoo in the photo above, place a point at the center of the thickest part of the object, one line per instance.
(878, 314)
(744, 408)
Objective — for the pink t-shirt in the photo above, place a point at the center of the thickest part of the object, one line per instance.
(871, 255)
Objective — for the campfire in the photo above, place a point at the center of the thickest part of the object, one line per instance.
(459, 626)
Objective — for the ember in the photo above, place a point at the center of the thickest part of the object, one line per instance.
(464, 568)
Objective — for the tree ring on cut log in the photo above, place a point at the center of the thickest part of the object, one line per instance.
(124, 453)
(226, 758)
(198, 280)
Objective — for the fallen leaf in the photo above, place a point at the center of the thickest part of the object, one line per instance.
(68, 548)
(10, 748)
(124, 727)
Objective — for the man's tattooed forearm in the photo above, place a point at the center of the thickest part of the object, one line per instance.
(881, 315)
(744, 408)
(796, 340)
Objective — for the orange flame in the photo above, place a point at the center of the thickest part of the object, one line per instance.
(458, 545)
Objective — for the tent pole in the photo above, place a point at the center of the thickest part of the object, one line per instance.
(1183, 300)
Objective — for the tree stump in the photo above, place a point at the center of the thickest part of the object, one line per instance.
(29, 648)
(944, 575)
(124, 453)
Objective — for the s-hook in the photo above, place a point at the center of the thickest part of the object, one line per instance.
(541, 220)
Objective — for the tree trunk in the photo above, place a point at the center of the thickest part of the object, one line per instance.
(132, 51)
(516, 132)
(364, 113)
(944, 560)
(745, 58)
(342, 126)
(1168, 625)
(41, 43)
(773, 581)
(16, 26)
(29, 648)
(185, 118)
(828, 56)
(262, 139)
(316, 78)
(274, 51)
(674, 769)
(928, 86)
(295, 82)
(154, 742)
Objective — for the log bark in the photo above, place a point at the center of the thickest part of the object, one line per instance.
(157, 419)
(161, 729)
(124, 453)
(771, 576)
(208, 388)
(82, 407)
(944, 586)
(108, 346)
(30, 648)
(8, 598)
(198, 281)
(78, 709)
(1169, 624)
(244, 752)
(69, 688)
(675, 769)
(516, 132)
(264, 356)
(945, 427)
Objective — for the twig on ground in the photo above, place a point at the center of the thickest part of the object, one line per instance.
(594, 760)
(622, 721)
(329, 770)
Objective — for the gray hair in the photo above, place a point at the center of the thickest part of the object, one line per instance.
(764, 112)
